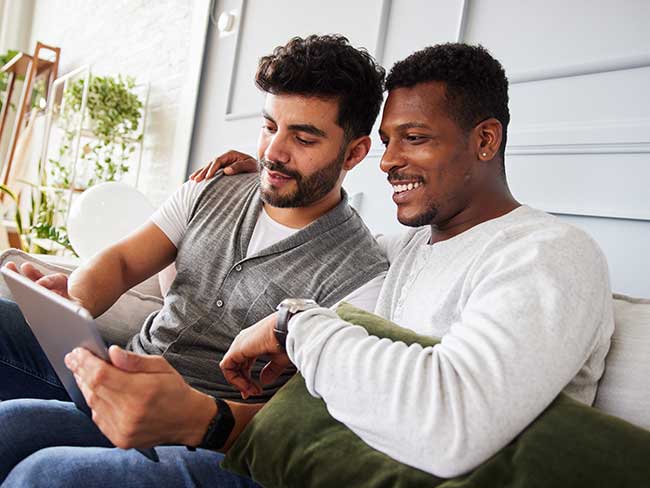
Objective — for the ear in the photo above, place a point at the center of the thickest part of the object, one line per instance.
(489, 134)
(356, 151)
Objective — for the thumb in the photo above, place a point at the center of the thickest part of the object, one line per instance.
(272, 370)
(137, 363)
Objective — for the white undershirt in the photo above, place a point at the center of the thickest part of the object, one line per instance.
(173, 217)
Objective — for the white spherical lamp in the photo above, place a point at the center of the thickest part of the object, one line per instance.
(103, 215)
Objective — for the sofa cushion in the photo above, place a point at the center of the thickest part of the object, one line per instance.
(120, 322)
(294, 442)
(624, 389)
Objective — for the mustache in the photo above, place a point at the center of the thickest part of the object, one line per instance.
(395, 176)
(278, 168)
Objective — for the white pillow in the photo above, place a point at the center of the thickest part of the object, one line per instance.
(624, 389)
(120, 322)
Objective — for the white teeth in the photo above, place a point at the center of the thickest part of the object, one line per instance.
(410, 186)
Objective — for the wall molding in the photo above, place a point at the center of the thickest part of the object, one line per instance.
(190, 93)
(631, 136)
(560, 149)
(241, 22)
(462, 20)
(614, 216)
(230, 115)
(613, 148)
(581, 69)
(382, 30)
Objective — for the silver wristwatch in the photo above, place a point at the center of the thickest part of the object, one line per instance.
(287, 309)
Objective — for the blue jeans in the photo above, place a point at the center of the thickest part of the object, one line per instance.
(25, 371)
(51, 443)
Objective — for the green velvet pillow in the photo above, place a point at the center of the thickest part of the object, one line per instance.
(293, 442)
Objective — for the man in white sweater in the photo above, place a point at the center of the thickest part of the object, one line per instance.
(520, 300)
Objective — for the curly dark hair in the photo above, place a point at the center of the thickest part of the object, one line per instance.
(476, 84)
(327, 66)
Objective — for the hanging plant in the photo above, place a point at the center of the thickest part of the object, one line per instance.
(113, 113)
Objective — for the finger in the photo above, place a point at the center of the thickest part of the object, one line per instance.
(96, 373)
(137, 363)
(254, 388)
(272, 370)
(57, 282)
(197, 176)
(12, 266)
(239, 380)
(92, 397)
(30, 271)
(204, 171)
(244, 166)
(217, 164)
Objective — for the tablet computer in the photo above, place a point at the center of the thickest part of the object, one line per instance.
(59, 325)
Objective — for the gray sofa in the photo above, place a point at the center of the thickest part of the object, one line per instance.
(623, 391)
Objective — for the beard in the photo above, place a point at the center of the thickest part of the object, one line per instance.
(424, 218)
(426, 215)
(309, 189)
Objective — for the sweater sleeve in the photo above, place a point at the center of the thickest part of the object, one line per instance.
(531, 318)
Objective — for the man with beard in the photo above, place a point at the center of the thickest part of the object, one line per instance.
(520, 300)
(240, 246)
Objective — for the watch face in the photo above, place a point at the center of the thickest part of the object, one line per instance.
(297, 304)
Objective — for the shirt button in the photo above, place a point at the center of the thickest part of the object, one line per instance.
(238, 267)
(219, 303)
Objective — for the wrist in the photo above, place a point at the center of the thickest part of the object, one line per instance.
(203, 410)
(287, 309)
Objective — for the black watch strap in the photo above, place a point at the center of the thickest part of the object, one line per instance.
(219, 428)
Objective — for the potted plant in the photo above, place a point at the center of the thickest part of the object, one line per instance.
(111, 133)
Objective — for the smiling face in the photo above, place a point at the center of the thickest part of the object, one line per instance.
(301, 151)
(430, 161)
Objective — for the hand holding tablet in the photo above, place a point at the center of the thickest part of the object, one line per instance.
(59, 324)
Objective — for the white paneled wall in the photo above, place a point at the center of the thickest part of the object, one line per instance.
(148, 39)
(579, 140)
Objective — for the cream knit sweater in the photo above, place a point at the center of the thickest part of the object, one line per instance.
(523, 306)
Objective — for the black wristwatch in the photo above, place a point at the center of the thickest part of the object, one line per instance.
(219, 427)
(287, 309)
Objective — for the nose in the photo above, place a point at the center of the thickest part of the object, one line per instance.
(276, 148)
(390, 159)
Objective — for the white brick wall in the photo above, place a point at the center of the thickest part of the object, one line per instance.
(147, 39)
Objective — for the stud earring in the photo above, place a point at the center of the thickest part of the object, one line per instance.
(484, 154)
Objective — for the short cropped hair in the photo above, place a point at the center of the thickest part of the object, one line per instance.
(327, 66)
(476, 84)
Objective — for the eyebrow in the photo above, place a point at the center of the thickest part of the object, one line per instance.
(407, 126)
(308, 128)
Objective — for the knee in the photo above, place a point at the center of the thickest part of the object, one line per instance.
(44, 468)
(23, 421)
(15, 419)
(17, 416)
(8, 305)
